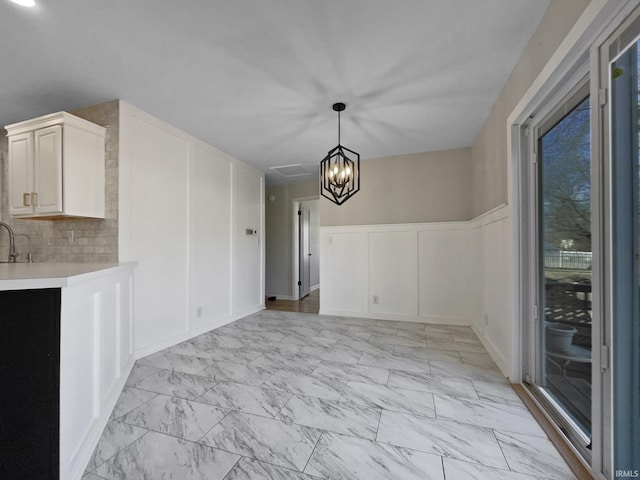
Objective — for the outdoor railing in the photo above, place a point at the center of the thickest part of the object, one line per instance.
(568, 259)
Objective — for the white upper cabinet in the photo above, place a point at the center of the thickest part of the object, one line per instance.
(56, 167)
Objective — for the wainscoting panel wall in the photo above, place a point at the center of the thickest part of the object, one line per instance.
(184, 210)
(96, 357)
(392, 256)
(248, 248)
(492, 293)
(343, 262)
(155, 164)
(415, 272)
(209, 184)
(456, 273)
(444, 276)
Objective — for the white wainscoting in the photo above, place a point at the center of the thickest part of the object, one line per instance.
(96, 356)
(343, 271)
(184, 209)
(414, 272)
(457, 273)
(492, 293)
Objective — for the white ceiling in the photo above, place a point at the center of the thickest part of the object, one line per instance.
(257, 78)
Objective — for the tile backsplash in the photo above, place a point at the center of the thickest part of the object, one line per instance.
(70, 240)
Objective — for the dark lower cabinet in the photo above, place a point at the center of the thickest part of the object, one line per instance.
(29, 384)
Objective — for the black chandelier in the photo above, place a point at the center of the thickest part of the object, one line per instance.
(340, 170)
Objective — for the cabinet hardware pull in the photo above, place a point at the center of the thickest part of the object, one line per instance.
(26, 200)
(34, 199)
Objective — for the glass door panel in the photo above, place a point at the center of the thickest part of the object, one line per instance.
(565, 256)
(625, 130)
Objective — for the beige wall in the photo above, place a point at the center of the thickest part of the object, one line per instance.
(278, 233)
(423, 187)
(489, 151)
(94, 240)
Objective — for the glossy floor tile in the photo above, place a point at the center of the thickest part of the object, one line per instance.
(249, 469)
(175, 416)
(272, 441)
(459, 387)
(391, 399)
(459, 470)
(131, 398)
(349, 458)
(296, 396)
(509, 417)
(262, 401)
(532, 455)
(155, 455)
(442, 437)
(340, 417)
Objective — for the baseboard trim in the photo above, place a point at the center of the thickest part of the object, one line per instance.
(82, 456)
(282, 297)
(155, 347)
(462, 322)
(496, 354)
(566, 450)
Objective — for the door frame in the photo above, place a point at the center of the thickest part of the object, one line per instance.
(295, 235)
(304, 243)
(567, 98)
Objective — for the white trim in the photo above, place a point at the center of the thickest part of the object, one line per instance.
(183, 336)
(492, 216)
(501, 361)
(314, 287)
(295, 272)
(280, 297)
(427, 320)
(493, 211)
(396, 227)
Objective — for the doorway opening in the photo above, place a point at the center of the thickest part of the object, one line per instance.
(304, 295)
(306, 258)
(308, 304)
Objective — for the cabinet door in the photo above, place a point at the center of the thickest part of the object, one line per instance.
(48, 170)
(20, 174)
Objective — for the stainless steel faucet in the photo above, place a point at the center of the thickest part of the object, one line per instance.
(12, 243)
(28, 255)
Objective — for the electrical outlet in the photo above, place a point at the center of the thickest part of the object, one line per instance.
(71, 236)
(199, 312)
(376, 299)
(329, 240)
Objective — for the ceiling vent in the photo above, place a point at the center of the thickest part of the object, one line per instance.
(291, 170)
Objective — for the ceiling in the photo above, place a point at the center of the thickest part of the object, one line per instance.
(257, 78)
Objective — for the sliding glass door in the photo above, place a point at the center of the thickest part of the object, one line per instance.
(564, 329)
(625, 291)
(579, 180)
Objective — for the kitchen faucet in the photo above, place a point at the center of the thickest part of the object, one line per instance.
(29, 255)
(12, 243)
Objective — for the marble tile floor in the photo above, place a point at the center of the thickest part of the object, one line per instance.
(295, 396)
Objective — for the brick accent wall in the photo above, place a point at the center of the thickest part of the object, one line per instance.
(93, 240)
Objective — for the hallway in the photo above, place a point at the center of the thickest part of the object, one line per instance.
(308, 304)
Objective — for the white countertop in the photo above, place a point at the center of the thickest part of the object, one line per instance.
(25, 276)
